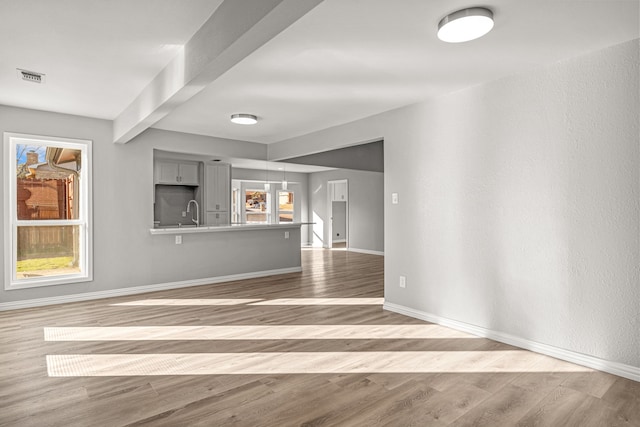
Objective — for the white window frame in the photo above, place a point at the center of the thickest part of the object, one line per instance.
(11, 223)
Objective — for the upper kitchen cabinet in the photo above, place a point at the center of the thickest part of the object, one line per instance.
(176, 173)
(217, 187)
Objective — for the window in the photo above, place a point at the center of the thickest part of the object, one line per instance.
(256, 208)
(47, 211)
(285, 206)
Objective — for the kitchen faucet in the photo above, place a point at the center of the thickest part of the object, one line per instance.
(197, 218)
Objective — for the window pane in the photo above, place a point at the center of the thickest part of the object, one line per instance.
(285, 206)
(47, 182)
(285, 201)
(48, 251)
(256, 206)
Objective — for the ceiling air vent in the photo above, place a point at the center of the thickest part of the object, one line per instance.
(31, 76)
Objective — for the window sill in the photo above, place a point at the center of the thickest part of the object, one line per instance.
(63, 279)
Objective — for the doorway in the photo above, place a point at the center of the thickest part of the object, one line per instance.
(338, 214)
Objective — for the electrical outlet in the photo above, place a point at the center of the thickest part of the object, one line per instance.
(394, 198)
(178, 240)
(184, 214)
(286, 234)
(403, 282)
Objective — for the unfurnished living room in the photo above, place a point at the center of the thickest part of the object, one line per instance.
(320, 213)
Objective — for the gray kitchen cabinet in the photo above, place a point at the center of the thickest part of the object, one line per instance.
(176, 173)
(217, 218)
(217, 191)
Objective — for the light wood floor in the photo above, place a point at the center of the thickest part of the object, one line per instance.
(312, 349)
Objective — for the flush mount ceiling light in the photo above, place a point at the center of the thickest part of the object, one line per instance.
(465, 25)
(244, 119)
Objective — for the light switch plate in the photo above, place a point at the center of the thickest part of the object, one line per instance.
(394, 198)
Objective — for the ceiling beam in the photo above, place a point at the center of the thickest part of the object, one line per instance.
(234, 30)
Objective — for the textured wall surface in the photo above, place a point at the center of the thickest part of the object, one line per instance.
(518, 204)
(527, 221)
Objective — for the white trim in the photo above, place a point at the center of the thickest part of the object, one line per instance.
(9, 194)
(84, 221)
(620, 369)
(366, 251)
(340, 241)
(38, 302)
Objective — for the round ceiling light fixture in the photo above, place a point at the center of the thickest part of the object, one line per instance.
(465, 25)
(244, 119)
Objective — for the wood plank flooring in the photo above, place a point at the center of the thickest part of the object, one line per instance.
(306, 349)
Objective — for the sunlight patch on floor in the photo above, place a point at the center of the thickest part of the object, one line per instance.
(188, 302)
(250, 332)
(80, 365)
(247, 301)
(321, 301)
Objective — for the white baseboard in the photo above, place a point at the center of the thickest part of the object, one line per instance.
(365, 251)
(620, 369)
(339, 241)
(38, 302)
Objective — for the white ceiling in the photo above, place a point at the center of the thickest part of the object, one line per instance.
(97, 54)
(344, 60)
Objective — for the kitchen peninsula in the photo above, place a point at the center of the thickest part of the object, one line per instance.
(222, 228)
(192, 222)
(213, 254)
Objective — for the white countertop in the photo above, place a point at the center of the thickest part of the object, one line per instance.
(220, 228)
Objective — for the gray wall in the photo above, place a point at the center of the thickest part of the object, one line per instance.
(518, 204)
(364, 157)
(125, 253)
(366, 208)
